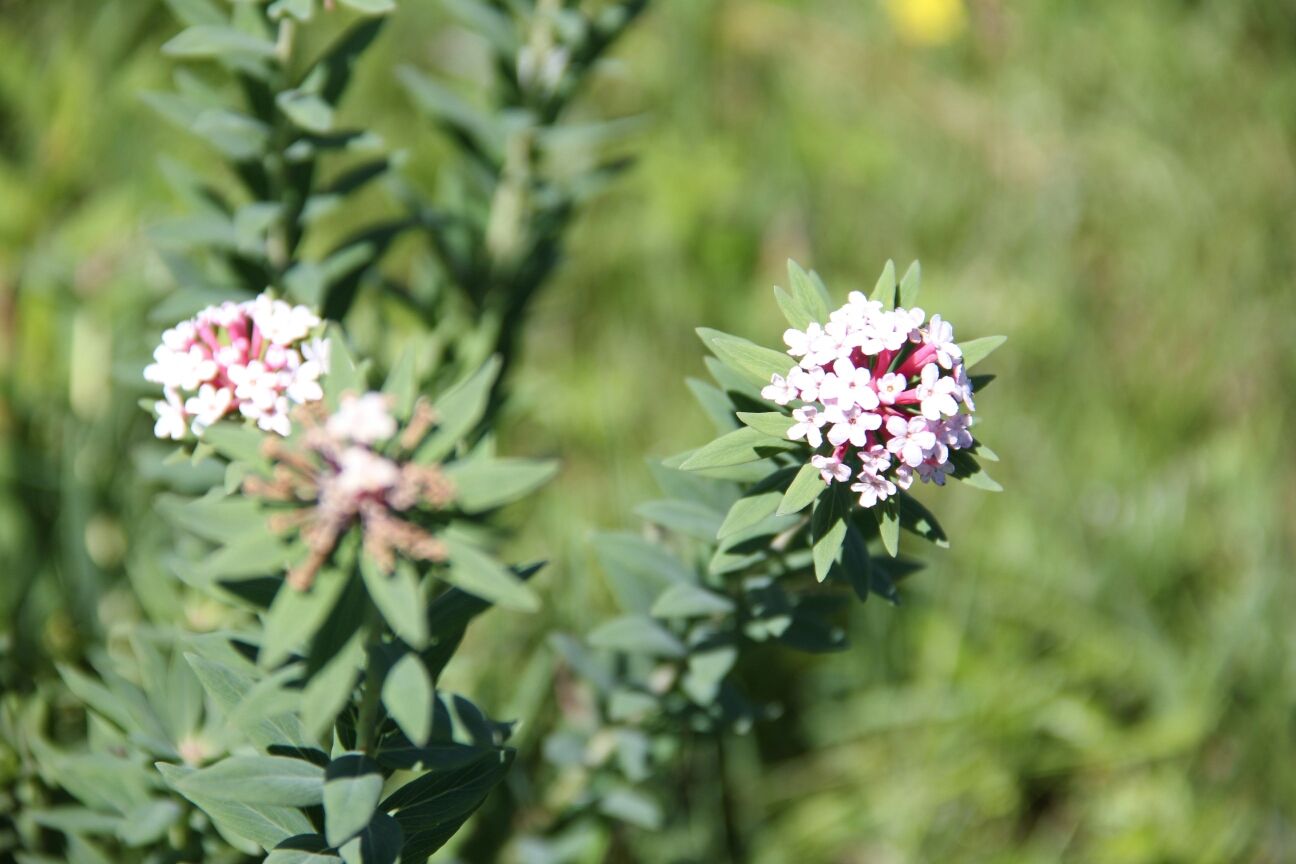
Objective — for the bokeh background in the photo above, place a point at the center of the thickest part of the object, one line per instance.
(1101, 668)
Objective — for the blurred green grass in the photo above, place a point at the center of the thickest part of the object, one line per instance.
(1101, 668)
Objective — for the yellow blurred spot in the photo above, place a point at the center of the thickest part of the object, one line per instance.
(927, 22)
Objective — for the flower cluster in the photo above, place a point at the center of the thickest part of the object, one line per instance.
(351, 467)
(884, 390)
(257, 358)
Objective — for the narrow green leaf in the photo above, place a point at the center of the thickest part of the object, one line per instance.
(476, 572)
(690, 518)
(401, 385)
(483, 484)
(756, 363)
(772, 423)
(637, 634)
(736, 448)
(352, 786)
(916, 518)
(749, 511)
(236, 442)
(306, 110)
(976, 350)
(371, 7)
(399, 598)
(380, 842)
(295, 615)
(329, 689)
(407, 692)
(909, 285)
(458, 411)
(888, 526)
(216, 41)
(796, 316)
(344, 373)
(807, 295)
(686, 600)
(885, 290)
(806, 487)
(275, 780)
(828, 528)
(969, 470)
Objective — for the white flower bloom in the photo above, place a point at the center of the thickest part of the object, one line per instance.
(890, 386)
(170, 417)
(303, 383)
(319, 351)
(800, 342)
(936, 393)
(779, 391)
(872, 488)
(363, 419)
(854, 427)
(911, 439)
(903, 476)
(940, 335)
(875, 459)
(964, 393)
(809, 421)
(281, 323)
(211, 404)
(848, 386)
(255, 384)
(831, 468)
(275, 418)
(954, 432)
(807, 382)
(361, 471)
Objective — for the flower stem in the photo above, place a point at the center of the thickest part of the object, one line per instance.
(367, 722)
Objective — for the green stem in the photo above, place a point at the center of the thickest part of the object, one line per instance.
(367, 722)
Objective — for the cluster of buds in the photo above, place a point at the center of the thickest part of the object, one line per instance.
(352, 467)
(884, 390)
(257, 359)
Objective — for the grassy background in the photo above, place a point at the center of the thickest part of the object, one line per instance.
(1102, 667)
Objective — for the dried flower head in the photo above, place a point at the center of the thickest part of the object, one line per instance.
(880, 396)
(257, 358)
(353, 467)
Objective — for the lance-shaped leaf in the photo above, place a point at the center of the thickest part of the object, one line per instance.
(458, 411)
(398, 597)
(909, 285)
(266, 825)
(805, 488)
(637, 634)
(476, 572)
(884, 291)
(760, 502)
(828, 529)
(969, 470)
(295, 615)
(773, 423)
(407, 693)
(918, 519)
(379, 843)
(690, 518)
(353, 784)
(257, 780)
(736, 448)
(215, 41)
(756, 363)
(686, 600)
(888, 519)
(976, 350)
(431, 808)
(482, 484)
(808, 296)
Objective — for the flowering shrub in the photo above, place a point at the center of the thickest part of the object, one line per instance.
(256, 358)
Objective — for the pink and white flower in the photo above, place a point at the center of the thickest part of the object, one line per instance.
(257, 359)
(885, 389)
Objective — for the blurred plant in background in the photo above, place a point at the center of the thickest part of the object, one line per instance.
(1104, 675)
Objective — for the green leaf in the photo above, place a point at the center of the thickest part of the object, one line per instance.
(916, 518)
(407, 693)
(637, 634)
(976, 350)
(302, 10)
(806, 487)
(431, 808)
(353, 784)
(196, 12)
(969, 470)
(236, 442)
(632, 806)
(304, 849)
(884, 291)
(217, 41)
(750, 510)
(371, 7)
(228, 688)
(399, 598)
(808, 295)
(828, 528)
(344, 374)
(263, 555)
(476, 572)
(266, 825)
(275, 780)
(909, 285)
(306, 110)
(736, 448)
(483, 484)
(637, 571)
(706, 672)
(756, 363)
(686, 600)
(888, 521)
(295, 616)
(715, 404)
(329, 689)
(401, 385)
(772, 423)
(379, 843)
(690, 518)
(458, 411)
